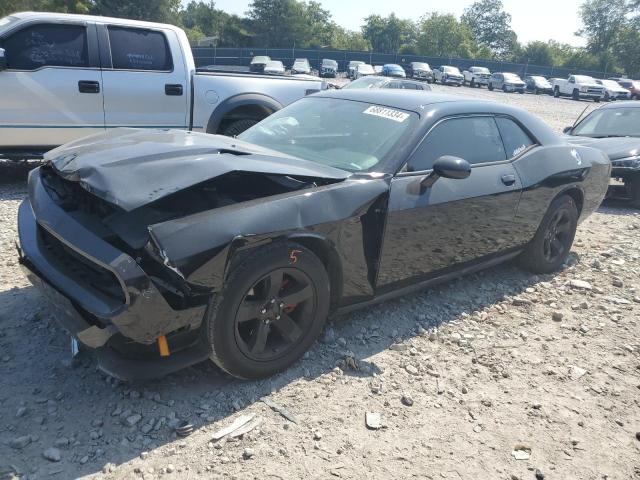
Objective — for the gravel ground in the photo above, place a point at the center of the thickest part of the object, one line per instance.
(500, 375)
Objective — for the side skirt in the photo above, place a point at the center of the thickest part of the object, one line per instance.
(427, 283)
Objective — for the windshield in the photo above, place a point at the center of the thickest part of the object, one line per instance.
(512, 76)
(480, 70)
(329, 63)
(610, 84)
(355, 63)
(421, 66)
(349, 135)
(584, 79)
(301, 64)
(610, 122)
(539, 79)
(395, 68)
(365, 69)
(366, 82)
(453, 70)
(275, 65)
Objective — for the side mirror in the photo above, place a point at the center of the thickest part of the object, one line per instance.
(447, 166)
(567, 129)
(3, 59)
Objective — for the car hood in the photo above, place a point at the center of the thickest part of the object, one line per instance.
(615, 148)
(131, 168)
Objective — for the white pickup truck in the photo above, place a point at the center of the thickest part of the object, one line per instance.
(63, 77)
(476, 76)
(577, 87)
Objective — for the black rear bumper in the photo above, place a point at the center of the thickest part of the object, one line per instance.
(98, 293)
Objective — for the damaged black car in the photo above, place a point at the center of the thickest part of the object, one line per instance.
(160, 249)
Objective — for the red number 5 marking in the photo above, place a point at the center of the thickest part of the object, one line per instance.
(293, 255)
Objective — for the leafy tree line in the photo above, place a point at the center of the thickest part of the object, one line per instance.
(611, 29)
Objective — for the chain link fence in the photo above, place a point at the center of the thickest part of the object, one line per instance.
(241, 57)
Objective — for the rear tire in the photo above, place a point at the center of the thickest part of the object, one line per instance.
(490, 87)
(556, 92)
(552, 242)
(632, 185)
(271, 310)
(239, 126)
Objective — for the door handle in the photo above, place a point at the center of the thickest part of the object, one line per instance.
(88, 86)
(173, 89)
(508, 179)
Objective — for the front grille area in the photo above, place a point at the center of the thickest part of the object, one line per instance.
(595, 90)
(81, 269)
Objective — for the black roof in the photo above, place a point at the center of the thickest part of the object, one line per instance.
(623, 104)
(414, 101)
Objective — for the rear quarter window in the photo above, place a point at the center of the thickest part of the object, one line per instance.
(515, 139)
(139, 49)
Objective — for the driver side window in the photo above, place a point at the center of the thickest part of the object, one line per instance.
(475, 139)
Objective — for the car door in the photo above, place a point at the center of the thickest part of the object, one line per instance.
(51, 91)
(430, 230)
(145, 78)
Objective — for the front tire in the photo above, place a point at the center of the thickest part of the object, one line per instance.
(271, 310)
(556, 92)
(552, 242)
(576, 95)
(490, 87)
(632, 185)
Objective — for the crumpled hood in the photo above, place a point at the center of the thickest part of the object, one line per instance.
(131, 167)
(615, 147)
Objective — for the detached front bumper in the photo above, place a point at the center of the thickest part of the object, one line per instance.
(99, 294)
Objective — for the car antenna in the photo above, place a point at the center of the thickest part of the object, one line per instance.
(579, 117)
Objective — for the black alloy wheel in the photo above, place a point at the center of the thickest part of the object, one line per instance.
(558, 237)
(550, 246)
(272, 308)
(274, 313)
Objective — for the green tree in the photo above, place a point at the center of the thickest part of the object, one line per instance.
(442, 35)
(349, 40)
(491, 26)
(627, 48)
(277, 23)
(164, 11)
(61, 6)
(602, 21)
(388, 34)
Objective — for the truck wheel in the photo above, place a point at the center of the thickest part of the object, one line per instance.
(536, 91)
(552, 242)
(556, 92)
(490, 87)
(271, 310)
(632, 185)
(472, 84)
(575, 95)
(239, 126)
(607, 97)
(504, 89)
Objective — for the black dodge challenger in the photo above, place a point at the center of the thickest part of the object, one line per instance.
(161, 249)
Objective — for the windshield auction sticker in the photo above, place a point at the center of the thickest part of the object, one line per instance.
(388, 113)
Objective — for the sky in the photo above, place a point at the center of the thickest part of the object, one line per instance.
(531, 20)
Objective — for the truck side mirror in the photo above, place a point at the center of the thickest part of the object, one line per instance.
(3, 59)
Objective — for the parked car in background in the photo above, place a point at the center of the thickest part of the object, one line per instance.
(538, 84)
(448, 75)
(476, 76)
(393, 70)
(74, 75)
(578, 87)
(507, 82)
(274, 67)
(613, 90)
(258, 63)
(329, 68)
(632, 85)
(162, 249)
(420, 71)
(301, 66)
(373, 81)
(363, 70)
(351, 68)
(615, 129)
(378, 69)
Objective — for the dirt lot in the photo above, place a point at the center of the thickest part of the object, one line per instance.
(500, 375)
